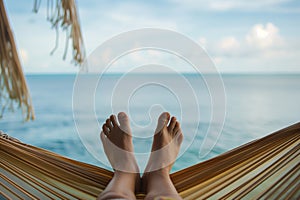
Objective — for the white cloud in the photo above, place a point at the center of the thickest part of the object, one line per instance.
(140, 60)
(244, 4)
(222, 5)
(134, 15)
(260, 40)
(229, 44)
(217, 60)
(264, 36)
(261, 49)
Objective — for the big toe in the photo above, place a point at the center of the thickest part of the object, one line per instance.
(124, 122)
(162, 121)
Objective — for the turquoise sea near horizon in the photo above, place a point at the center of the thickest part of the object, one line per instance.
(256, 105)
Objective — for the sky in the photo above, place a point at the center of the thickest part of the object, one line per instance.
(240, 36)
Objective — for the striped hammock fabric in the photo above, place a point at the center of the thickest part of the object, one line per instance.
(267, 168)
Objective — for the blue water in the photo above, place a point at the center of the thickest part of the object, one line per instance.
(256, 105)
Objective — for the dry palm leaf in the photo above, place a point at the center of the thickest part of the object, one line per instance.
(63, 13)
(13, 85)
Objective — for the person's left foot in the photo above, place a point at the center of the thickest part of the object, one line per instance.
(118, 146)
(166, 144)
(165, 148)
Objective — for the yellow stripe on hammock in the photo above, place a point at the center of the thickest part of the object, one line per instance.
(267, 168)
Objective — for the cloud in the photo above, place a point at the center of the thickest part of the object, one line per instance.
(244, 4)
(229, 44)
(127, 15)
(261, 48)
(260, 40)
(262, 37)
(221, 5)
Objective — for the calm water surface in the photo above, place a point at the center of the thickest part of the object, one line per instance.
(256, 105)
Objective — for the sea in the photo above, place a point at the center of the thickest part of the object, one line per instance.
(217, 113)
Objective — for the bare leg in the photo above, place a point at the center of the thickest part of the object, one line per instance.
(166, 144)
(118, 147)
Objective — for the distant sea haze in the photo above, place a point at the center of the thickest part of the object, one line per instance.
(256, 105)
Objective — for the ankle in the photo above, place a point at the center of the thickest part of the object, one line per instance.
(161, 173)
(159, 184)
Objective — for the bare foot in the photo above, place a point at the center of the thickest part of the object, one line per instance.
(118, 147)
(117, 144)
(165, 148)
(166, 144)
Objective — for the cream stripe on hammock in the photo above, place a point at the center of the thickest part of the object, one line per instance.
(267, 168)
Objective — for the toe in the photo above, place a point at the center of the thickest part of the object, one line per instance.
(179, 137)
(162, 121)
(105, 129)
(176, 128)
(172, 124)
(108, 124)
(124, 122)
(113, 120)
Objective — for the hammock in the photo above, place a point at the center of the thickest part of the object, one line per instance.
(266, 168)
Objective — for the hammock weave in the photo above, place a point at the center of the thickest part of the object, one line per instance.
(13, 87)
(266, 168)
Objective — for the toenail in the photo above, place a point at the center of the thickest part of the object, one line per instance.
(121, 114)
